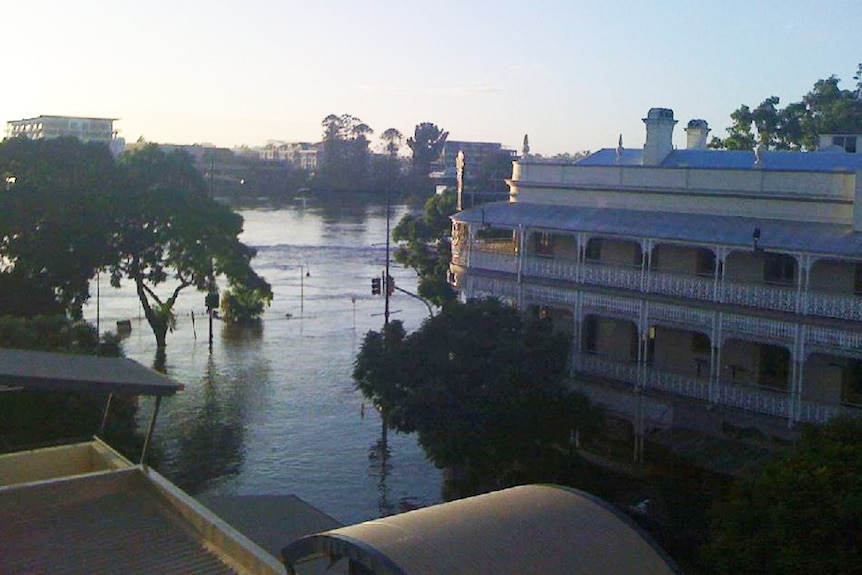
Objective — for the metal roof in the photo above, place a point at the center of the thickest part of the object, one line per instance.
(732, 160)
(776, 235)
(45, 371)
(528, 529)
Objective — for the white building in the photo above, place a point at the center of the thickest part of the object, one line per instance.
(700, 287)
(85, 129)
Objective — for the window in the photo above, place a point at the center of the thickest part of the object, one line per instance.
(591, 334)
(705, 263)
(858, 279)
(846, 142)
(594, 250)
(700, 344)
(774, 366)
(851, 388)
(779, 269)
(544, 244)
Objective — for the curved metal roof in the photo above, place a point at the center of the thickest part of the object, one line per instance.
(777, 235)
(528, 529)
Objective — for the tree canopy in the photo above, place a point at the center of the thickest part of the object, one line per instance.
(345, 162)
(54, 223)
(167, 228)
(425, 245)
(482, 387)
(826, 108)
(800, 513)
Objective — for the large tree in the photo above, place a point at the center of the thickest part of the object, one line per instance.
(346, 159)
(168, 229)
(424, 244)
(54, 223)
(800, 513)
(427, 144)
(826, 108)
(483, 388)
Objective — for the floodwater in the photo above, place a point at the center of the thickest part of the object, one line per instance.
(274, 410)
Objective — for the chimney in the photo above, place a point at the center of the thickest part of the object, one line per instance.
(696, 133)
(659, 135)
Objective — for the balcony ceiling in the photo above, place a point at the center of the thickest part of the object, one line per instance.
(834, 240)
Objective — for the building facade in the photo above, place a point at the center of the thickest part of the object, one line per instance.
(84, 129)
(701, 288)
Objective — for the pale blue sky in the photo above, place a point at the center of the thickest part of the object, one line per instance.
(571, 74)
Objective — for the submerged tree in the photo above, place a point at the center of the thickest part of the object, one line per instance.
(169, 229)
(483, 389)
(800, 513)
(425, 245)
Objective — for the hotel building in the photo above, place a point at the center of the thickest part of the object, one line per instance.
(701, 288)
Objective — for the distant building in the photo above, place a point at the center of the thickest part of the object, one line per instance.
(475, 153)
(702, 289)
(85, 129)
(838, 142)
(303, 155)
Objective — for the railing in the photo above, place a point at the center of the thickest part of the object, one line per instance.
(821, 413)
(620, 371)
(677, 383)
(758, 327)
(681, 315)
(829, 337)
(502, 256)
(754, 398)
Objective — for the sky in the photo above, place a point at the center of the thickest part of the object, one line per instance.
(573, 75)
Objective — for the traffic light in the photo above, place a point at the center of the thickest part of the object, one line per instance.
(390, 285)
(375, 286)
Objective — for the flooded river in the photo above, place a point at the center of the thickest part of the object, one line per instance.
(274, 411)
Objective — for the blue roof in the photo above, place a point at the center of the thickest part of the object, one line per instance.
(733, 160)
(777, 235)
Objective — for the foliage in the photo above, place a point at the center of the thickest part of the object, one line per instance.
(425, 245)
(36, 418)
(168, 228)
(801, 513)
(427, 144)
(483, 388)
(54, 223)
(242, 305)
(392, 141)
(824, 109)
(345, 161)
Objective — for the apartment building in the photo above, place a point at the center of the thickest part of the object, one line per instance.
(701, 288)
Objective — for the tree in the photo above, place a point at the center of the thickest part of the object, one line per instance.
(392, 141)
(345, 162)
(800, 513)
(54, 223)
(826, 108)
(168, 228)
(483, 388)
(427, 144)
(425, 245)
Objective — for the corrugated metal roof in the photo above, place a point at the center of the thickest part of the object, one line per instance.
(733, 160)
(528, 529)
(44, 371)
(105, 523)
(776, 235)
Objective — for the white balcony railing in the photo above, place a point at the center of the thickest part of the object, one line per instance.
(677, 383)
(502, 257)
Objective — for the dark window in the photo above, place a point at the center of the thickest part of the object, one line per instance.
(846, 142)
(774, 364)
(705, 263)
(594, 250)
(851, 390)
(700, 343)
(591, 334)
(544, 244)
(779, 269)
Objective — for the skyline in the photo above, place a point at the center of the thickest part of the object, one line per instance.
(571, 75)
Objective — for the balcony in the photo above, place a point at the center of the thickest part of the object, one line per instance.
(503, 257)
